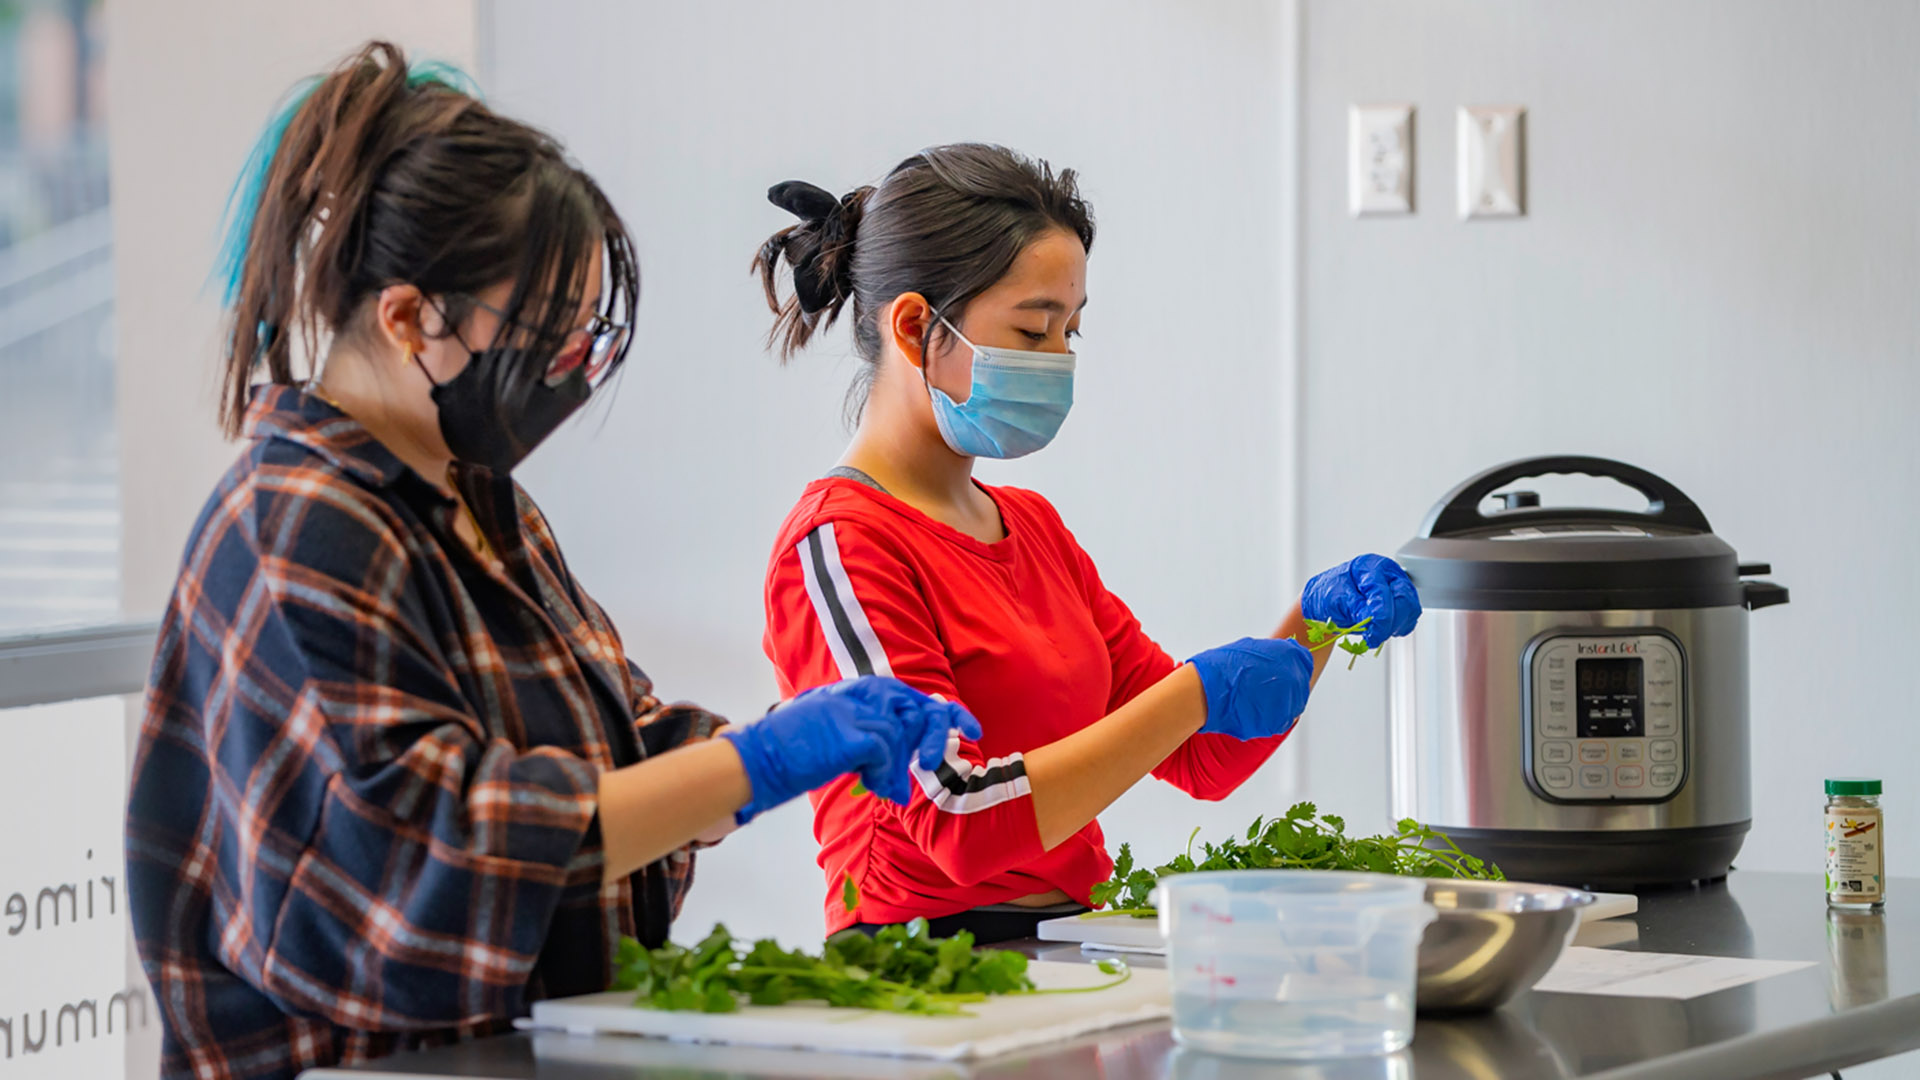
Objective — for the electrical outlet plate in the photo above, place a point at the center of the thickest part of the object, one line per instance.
(1380, 160)
(1493, 161)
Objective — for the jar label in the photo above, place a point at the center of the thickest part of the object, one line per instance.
(1854, 866)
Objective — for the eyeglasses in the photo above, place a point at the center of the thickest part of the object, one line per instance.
(592, 346)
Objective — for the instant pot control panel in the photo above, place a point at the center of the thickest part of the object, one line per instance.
(1607, 717)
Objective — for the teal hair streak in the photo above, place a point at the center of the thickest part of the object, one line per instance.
(243, 201)
(421, 72)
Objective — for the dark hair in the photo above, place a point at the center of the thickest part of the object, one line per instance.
(945, 223)
(381, 176)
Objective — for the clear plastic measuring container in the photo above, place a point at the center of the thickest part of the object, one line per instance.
(1293, 964)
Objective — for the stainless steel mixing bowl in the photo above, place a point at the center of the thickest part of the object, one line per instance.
(1491, 940)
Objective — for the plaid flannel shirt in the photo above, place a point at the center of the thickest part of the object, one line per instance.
(363, 811)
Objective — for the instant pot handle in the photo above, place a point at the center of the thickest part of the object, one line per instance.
(1459, 511)
(1765, 594)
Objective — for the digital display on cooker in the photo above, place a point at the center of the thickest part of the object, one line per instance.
(1611, 696)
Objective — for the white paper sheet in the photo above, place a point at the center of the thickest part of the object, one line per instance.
(1615, 973)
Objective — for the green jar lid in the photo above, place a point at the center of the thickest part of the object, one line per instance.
(1852, 785)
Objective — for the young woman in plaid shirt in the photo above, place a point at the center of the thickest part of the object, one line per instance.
(397, 776)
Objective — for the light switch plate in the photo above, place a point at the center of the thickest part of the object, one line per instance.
(1380, 160)
(1493, 161)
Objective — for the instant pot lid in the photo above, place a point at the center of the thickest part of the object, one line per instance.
(1526, 557)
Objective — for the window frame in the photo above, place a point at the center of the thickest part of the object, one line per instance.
(100, 660)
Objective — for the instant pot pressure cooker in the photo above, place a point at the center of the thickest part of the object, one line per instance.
(1573, 704)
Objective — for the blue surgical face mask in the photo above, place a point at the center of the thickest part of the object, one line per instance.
(1018, 401)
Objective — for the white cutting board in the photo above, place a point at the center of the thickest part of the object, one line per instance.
(1124, 933)
(996, 1026)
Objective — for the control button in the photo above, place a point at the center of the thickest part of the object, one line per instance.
(1594, 776)
(1557, 729)
(1557, 776)
(1660, 702)
(1662, 725)
(1629, 776)
(1663, 750)
(1593, 753)
(1556, 663)
(1556, 706)
(1663, 776)
(1557, 685)
(1556, 753)
(1626, 751)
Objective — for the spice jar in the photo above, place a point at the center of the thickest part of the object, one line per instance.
(1856, 874)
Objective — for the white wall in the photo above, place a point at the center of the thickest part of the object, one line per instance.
(1170, 468)
(1716, 280)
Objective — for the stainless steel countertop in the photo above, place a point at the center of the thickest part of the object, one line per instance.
(1860, 1002)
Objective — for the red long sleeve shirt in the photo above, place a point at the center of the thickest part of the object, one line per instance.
(1023, 633)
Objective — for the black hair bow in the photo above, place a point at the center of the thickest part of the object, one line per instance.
(803, 200)
(818, 211)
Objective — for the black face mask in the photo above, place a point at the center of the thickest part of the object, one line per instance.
(479, 423)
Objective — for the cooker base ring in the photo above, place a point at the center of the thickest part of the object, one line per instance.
(1613, 860)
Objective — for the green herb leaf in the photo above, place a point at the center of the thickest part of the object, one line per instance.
(1299, 839)
(1323, 633)
(899, 969)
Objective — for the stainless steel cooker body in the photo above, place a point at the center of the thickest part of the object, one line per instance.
(1466, 752)
(1574, 702)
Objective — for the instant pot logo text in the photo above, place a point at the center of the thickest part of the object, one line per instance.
(1623, 647)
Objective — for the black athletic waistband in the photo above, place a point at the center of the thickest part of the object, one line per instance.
(990, 925)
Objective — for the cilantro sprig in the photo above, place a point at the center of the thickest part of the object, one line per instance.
(1325, 633)
(900, 969)
(1303, 839)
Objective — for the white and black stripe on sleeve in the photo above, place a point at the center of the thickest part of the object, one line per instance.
(855, 647)
(957, 786)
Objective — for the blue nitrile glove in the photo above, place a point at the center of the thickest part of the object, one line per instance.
(873, 726)
(1370, 586)
(1255, 687)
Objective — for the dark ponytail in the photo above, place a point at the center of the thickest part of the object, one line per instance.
(946, 223)
(378, 175)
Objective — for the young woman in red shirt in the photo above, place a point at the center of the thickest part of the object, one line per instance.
(965, 272)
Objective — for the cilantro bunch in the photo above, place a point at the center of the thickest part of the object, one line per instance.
(1301, 839)
(900, 969)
